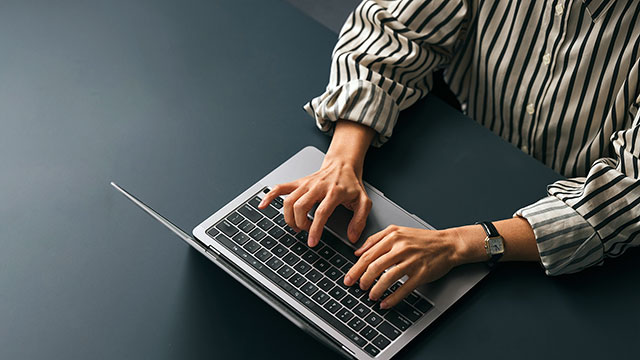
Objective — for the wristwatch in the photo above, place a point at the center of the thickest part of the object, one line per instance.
(493, 243)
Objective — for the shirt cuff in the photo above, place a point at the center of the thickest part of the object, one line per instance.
(566, 241)
(359, 101)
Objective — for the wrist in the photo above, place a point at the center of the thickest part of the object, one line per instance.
(468, 244)
(349, 144)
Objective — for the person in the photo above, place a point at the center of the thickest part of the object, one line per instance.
(558, 79)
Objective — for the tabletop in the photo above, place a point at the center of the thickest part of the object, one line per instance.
(186, 104)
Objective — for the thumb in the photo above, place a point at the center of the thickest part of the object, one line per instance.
(359, 219)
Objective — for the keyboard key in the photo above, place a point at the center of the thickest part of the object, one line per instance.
(337, 293)
(257, 234)
(309, 288)
(412, 298)
(276, 204)
(344, 315)
(326, 252)
(310, 256)
(373, 319)
(227, 228)
(302, 236)
(279, 251)
(320, 297)
(325, 284)
(369, 333)
(280, 220)
(250, 213)
(361, 310)
(298, 248)
(338, 261)
(263, 255)
(268, 242)
(288, 240)
(356, 291)
(213, 232)
(289, 229)
(381, 342)
(388, 330)
(407, 311)
(302, 267)
(235, 218)
(255, 201)
(322, 265)
(332, 306)
(285, 271)
(274, 263)
(371, 350)
(246, 226)
(339, 246)
(314, 276)
(346, 267)
(251, 246)
(339, 281)
(398, 320)
(395, 286)
(356, 324)
(334, 274)
(297, 280)
(276, 232)
(265, 224)
(290, 259)
(423, 305)
(269, 211)
(240, 238)
(368, 302)
(381, 312)
(349, 302)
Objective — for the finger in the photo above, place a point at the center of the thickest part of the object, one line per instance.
(359, 219)
(373, 239)
(376, 268)
(386, 280)
(288, 206)
(320, 217)
(400, 293)
(301, 208)
(280, 189)
(367, 258)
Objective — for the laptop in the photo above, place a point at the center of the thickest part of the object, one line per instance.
(305, 284)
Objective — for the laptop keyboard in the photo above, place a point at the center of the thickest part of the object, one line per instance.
(314, 276)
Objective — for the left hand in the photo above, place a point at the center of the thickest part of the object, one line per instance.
(422, 255)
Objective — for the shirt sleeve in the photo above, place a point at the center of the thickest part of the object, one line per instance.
(584, 220)
(384, 59)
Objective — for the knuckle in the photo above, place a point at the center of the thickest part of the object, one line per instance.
(288, 201)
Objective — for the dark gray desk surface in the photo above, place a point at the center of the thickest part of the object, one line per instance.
(186, 103)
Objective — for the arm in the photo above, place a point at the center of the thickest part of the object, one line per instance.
(381, 64)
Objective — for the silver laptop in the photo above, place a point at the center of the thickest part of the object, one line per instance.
(305, 284)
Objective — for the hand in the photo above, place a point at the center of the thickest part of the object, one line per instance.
(422, 255)
(336, 183)
(339, 181)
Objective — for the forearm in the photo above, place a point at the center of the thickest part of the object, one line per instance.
(519, 242)
(350, 143)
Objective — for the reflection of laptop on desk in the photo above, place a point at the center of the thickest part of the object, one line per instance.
(259, 250)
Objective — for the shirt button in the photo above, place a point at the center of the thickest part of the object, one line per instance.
(546, 59)
(559, 9)
(530, 109)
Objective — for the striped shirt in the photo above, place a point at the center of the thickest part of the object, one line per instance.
(558, 79)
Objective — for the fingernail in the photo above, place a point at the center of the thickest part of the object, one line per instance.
(261, 203)
(372, 298)
(312, 242)
(384, 305)
(347, 280)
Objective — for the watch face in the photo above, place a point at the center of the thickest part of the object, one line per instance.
(495, 245)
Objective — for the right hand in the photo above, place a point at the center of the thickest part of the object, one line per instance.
(338, 182)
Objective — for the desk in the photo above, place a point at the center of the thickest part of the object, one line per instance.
(186, 103)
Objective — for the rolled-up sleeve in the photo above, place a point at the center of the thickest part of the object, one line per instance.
(384, 60)
(585, 220)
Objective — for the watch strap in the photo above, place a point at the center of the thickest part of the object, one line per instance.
(491, 232)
